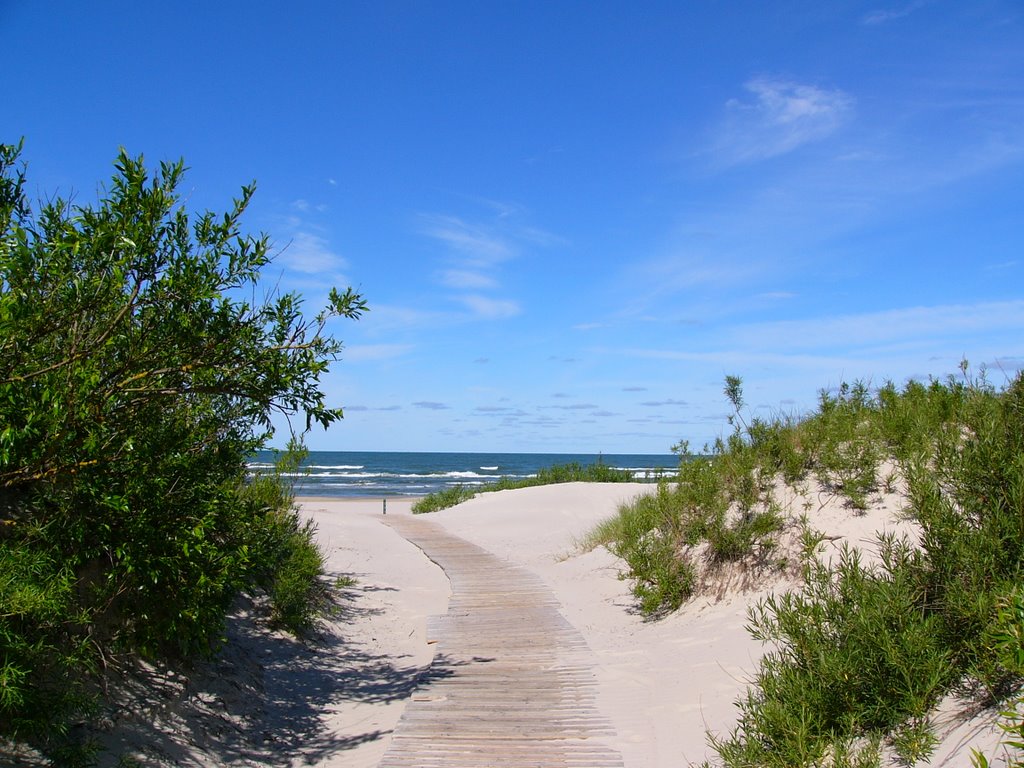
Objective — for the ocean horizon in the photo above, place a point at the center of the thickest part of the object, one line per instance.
(382, 474)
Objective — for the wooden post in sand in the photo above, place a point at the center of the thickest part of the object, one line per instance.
(385, 506)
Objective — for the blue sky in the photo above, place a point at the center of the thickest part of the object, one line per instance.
(573, 219)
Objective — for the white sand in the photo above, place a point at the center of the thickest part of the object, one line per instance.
(662, 684)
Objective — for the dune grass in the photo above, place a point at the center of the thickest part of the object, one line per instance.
(559, 473)
(858, 654)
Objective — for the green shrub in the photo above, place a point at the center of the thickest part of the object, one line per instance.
(135, 381)
(648, 537)
(859, 655)
(971, 508)
(861, 652)
(297, 591)
(285, 561)
(855, 652)
(1005, 638)
(42, 644)
(847, 450)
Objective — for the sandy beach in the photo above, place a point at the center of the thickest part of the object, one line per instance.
(663, 684)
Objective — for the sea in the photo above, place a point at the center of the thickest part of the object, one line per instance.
(363, 474)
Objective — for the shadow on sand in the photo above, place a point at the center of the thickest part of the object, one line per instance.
(262, 699)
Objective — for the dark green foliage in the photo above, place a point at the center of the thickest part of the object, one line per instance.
(972, 510)
(573, 472)
(859, 654)
(137, 375)
(856, 651)
(1005, 639)
(649, 539)
(285, 560)
(719, 500)
(865, 652)
(42, 641)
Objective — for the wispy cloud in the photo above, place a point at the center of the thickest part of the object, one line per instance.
(888, 327)
(476, 250)
(464, 278)
(780, 116)
(431, 405)
(486, 308)
(311, 254)
(305, 206)
(480, 245)
(885, 15)
(875, 340)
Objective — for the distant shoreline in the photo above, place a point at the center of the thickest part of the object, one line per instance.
(411, 476)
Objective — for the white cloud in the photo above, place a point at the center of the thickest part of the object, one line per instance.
(885, 15)
(480, 245)
(476, 251)
(782, 117)
(488, 308)
(468, 279)
(875, 342)
(311, 255)
(946, 322)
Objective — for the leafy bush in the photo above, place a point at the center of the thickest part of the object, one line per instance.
(286, 562)
(135, 380)
(855, 651)
(1006, 639)
(647, 535)
(971, 507)
(859, 654)
(719, 500)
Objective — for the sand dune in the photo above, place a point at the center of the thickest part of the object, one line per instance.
(662, 684)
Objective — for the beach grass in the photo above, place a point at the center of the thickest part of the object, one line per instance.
(860, 653)
(571, 472)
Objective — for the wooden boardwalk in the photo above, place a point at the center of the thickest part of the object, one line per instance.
(511, 684)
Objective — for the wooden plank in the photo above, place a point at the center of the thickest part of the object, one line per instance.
(512, 681)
